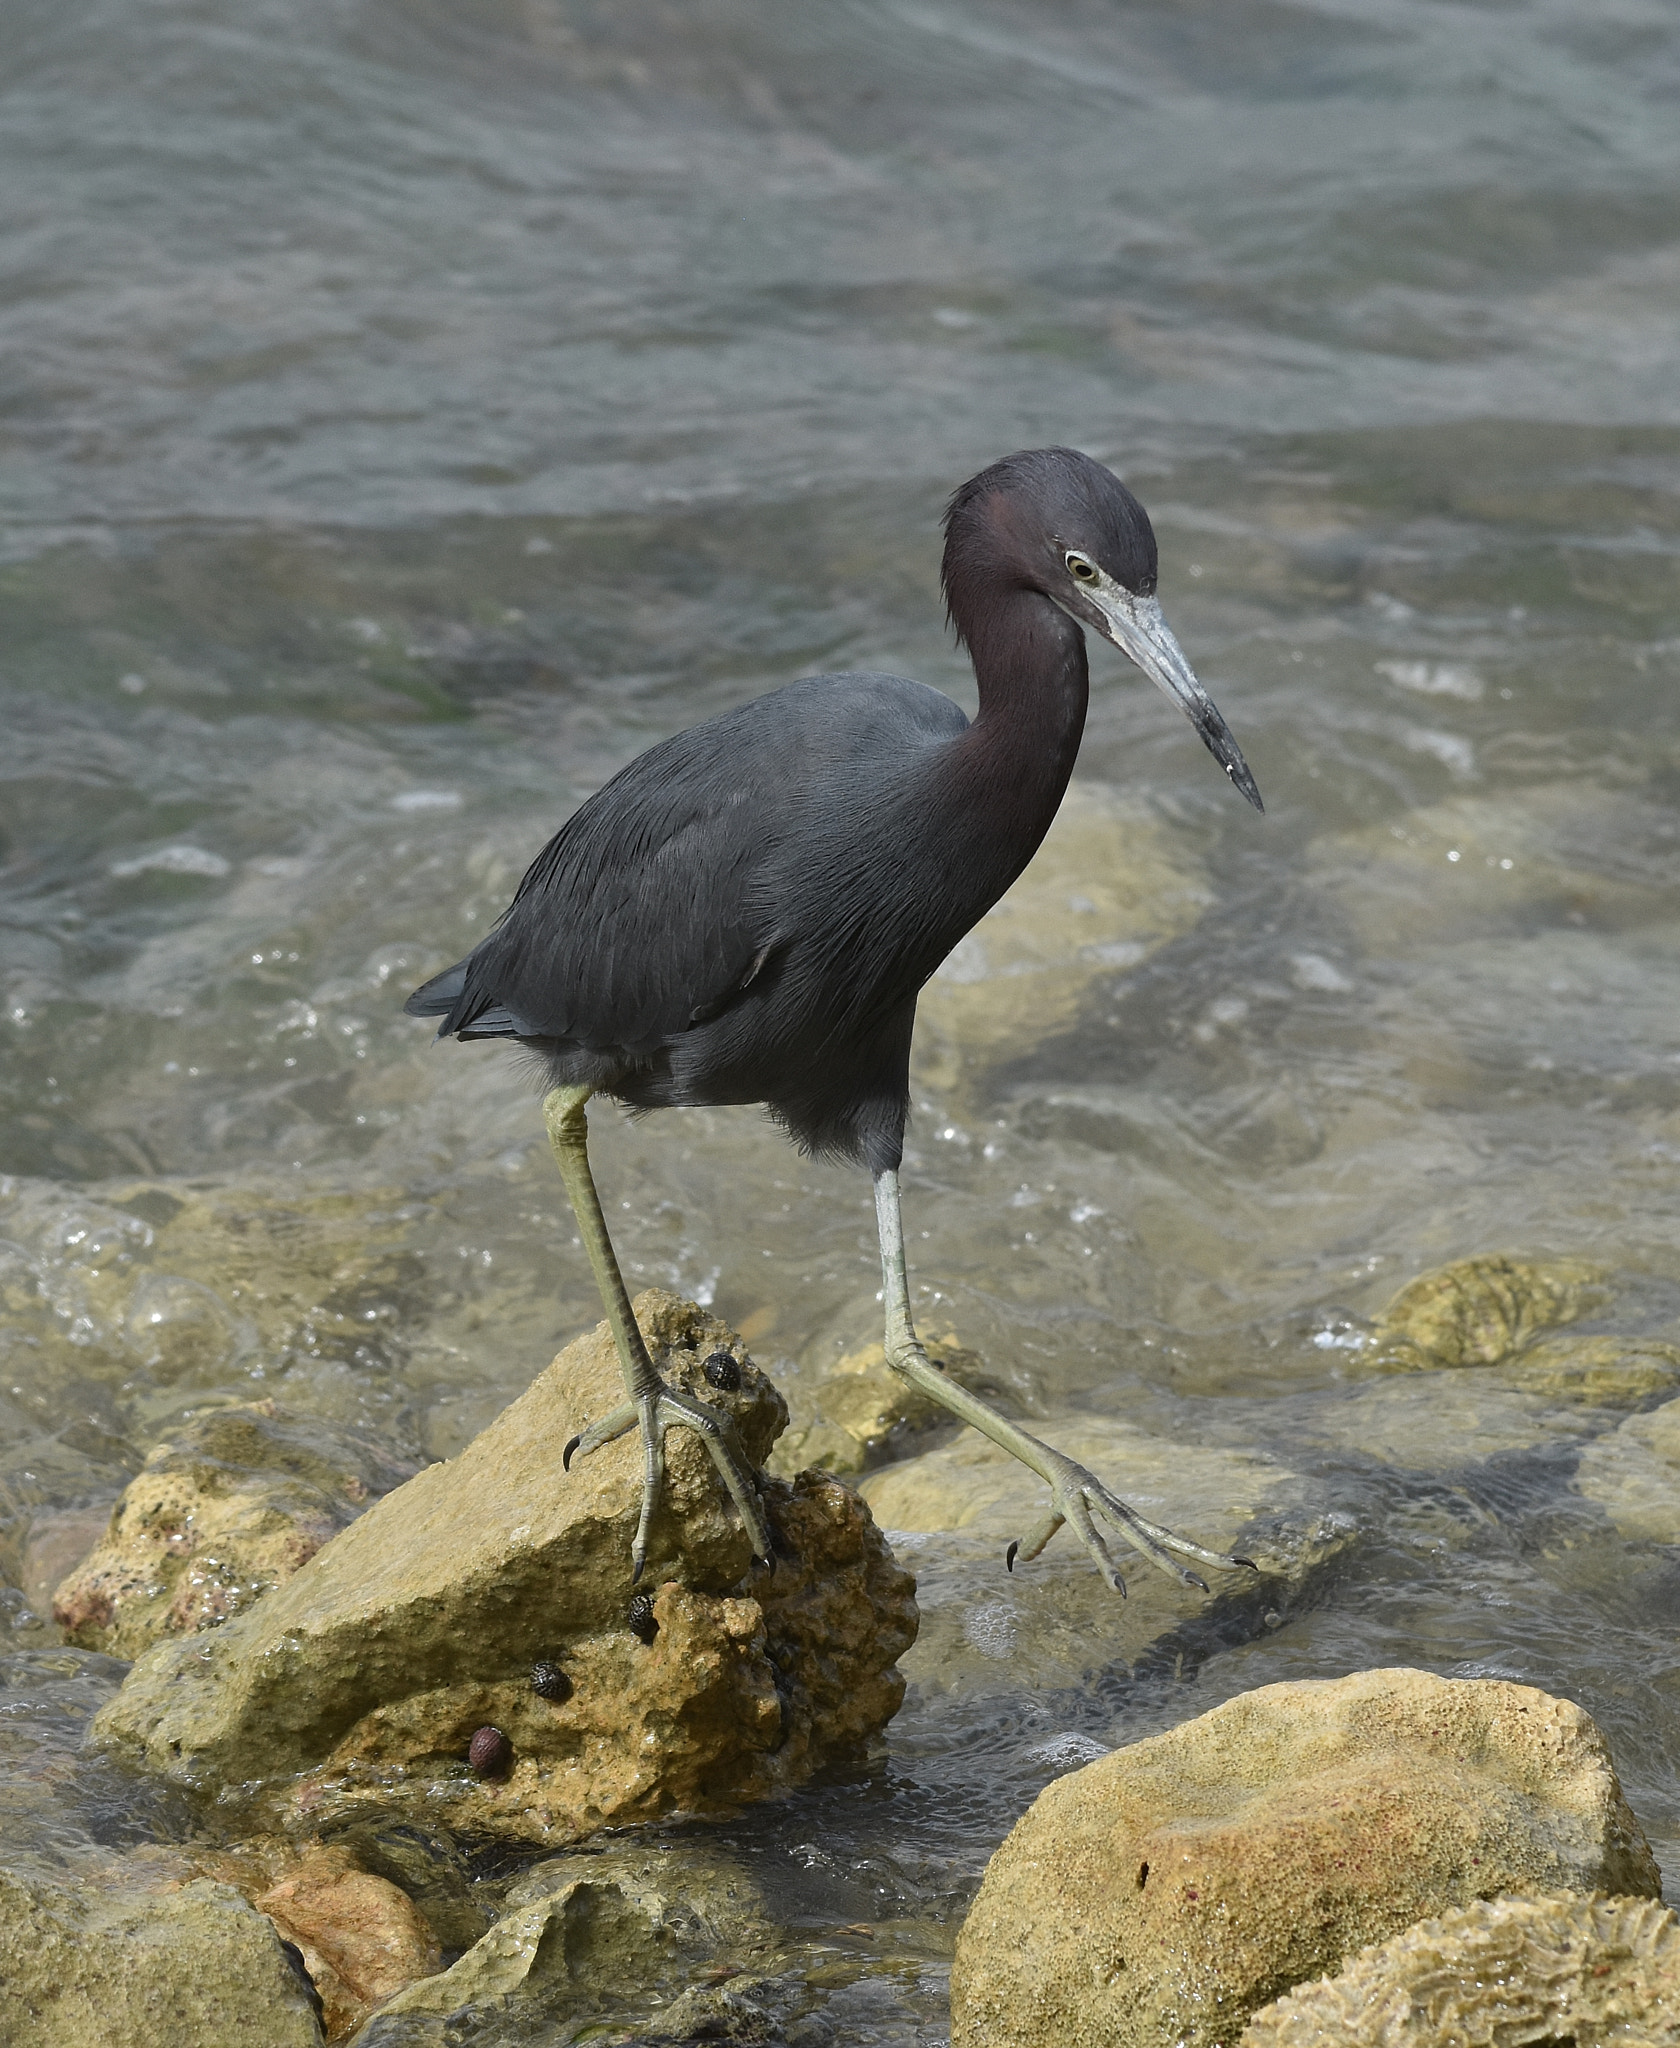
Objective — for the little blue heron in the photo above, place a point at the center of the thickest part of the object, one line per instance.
(748, 911)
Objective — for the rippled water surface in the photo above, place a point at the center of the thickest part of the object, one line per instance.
(409, 411)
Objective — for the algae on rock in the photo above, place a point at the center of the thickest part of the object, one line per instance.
(360, 1682)
(238, 1500)
(1171, 1889)
(1592, 1972)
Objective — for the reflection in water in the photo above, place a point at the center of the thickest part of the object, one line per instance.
(414, 411)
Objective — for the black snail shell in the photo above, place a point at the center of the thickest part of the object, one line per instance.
(490, 1753)
(549, 1682)
(724, 1372)
(643, 1623)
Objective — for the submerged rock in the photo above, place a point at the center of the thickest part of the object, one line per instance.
(866, 1415)
(128, 1961)
(362, 1680)
(954, 1510)
(236, 1502)
(1588, 1971)
(1171, 1889)
(599, 1931)
(1479, 1311)
(1634, 1475)
(1597, 1372)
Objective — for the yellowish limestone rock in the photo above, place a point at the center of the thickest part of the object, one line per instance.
(1479, 1311)
(866, 1415)
(361, 1937)
(1171, 1889)
(238, 1500)
(1634, 1475)
(360, 1683)
(1593, 1972)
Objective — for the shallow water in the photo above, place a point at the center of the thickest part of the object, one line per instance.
(411, 411)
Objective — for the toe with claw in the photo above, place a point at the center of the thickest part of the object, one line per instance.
(661, 1409)
(1079, 1497)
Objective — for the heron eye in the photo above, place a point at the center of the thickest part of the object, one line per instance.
(1084, 570)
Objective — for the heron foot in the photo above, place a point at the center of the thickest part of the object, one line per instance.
(660, 1409)
(1079, 1497)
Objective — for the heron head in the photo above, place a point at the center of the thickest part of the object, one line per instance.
(1071, 530)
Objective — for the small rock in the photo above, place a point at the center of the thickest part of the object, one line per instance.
(357, 1685)
(603, 1930)
(1167, 1891)
(1588, 1971)
(866, 1415)
(361, 1937)
(232, 1506)
(122, 1961)
(1479, 1311)
(1634, 1475)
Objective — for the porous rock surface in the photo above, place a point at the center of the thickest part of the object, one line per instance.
(123, 1960)
(1171, 1889)
(363, 1679)
(230, 1507)
(1502, 1973)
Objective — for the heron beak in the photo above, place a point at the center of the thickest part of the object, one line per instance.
(1139, 629)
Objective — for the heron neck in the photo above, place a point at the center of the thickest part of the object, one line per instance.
(1029, 661)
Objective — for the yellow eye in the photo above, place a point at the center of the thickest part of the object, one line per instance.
(1078, 566)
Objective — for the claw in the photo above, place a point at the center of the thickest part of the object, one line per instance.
(566, 1454)
(1009, 1555)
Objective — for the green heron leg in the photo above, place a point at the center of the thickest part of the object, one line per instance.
(1076, 1496)
(650, 1403)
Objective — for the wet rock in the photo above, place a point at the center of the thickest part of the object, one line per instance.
(122, 1961)
(361, 1681)
(1479, 1311)
(596, 1932)
(236, 1502)
(1597, 1372)
(865, 1415)
(952, 1511)
(1112, 883)
(1634, 1475)
(1588, 1971)
(1171, 1889)
(1440, 1421)
(361, 1937)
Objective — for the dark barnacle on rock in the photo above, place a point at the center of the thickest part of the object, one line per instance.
(490, 1753)
(724, 1372)
(549, 1682)
(643, 1624)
